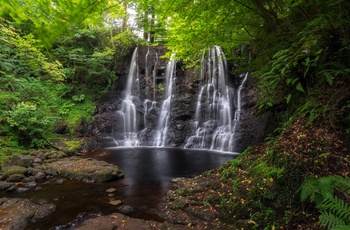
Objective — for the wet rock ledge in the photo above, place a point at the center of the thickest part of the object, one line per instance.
(23, 173)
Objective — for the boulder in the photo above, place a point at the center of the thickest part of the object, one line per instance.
(40, 176)
(5, 185)
(22, 160)
(12, 170)
(15, 178)
(86, 170)
(16, 213)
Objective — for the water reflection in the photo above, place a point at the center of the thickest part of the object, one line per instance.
(147, 179)
(146, 165)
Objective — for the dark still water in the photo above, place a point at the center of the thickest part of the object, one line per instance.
(153, 165)
(146, 181)
(148, 171)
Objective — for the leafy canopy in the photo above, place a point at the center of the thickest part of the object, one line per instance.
(48, 19)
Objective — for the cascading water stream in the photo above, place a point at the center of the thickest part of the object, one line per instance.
(154, 77)
(237, 116)
(163, 123)
(214, 128)
(216, 121)
(128, 107)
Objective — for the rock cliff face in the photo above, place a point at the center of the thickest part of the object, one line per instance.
(107, 126)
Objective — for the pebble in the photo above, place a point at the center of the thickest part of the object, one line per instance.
(31, 184)
(115, 202)
(22, 189)
(60, 181)
(110, 190)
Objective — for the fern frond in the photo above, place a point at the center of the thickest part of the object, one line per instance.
(337, 206)
(342, 184)
(325, 184)
(335, 212)
(342, 227)
(330, 221)
(309, 189)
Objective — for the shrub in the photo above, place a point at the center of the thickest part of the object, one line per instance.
(30, 124)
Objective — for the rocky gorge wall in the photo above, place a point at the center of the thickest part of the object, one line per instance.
(105, 129)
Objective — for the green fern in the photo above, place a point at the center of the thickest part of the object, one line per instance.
(337, 206)
(315, 189)
(342, 184)
(330, 221)
(309, 189)
(334, 209)
(342, 227)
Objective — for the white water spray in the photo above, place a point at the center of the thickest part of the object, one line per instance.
(215, 128)
(128, 107)
(164, 117)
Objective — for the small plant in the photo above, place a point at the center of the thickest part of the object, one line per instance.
(79, 98)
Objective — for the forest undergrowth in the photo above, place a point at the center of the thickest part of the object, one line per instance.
(300, 178)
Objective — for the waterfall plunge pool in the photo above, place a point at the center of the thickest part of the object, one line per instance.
(148, 171)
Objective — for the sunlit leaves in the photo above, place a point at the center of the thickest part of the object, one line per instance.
(48, 19)
(21, 57)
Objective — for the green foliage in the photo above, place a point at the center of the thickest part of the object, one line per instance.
(123, 43)
(8, 146)
(90, 58)
(331, 196)
(21, 57)
(79, 113)
(29, 123)
(36, 92)
(49, 19)
(311, 58)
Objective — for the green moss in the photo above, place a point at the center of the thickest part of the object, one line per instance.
(178, 204)
(181, 192)
(9, 147)
(13, 170)
(72, 144)
(76, 113)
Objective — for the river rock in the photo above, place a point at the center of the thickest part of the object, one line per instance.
(60, 181)
(86, 170)
(37, 161)
(125, 209)
(12, 170)
(15, 178)
(28, 179)
(14, 187)
(115, 202)
(31, 184)
(111, 190)
(5, 185)
(16, 213)
(33, 171)
(50, 170)
(22, 160)
(22, 189)
(40, 176)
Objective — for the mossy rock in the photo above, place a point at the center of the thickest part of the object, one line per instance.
(12, 170)
(15, 178)
(86, 170)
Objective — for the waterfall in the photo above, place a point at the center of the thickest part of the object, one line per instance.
(163, 123)
(145, 119)
(237, 116)
(213, 125)
(128, 107)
